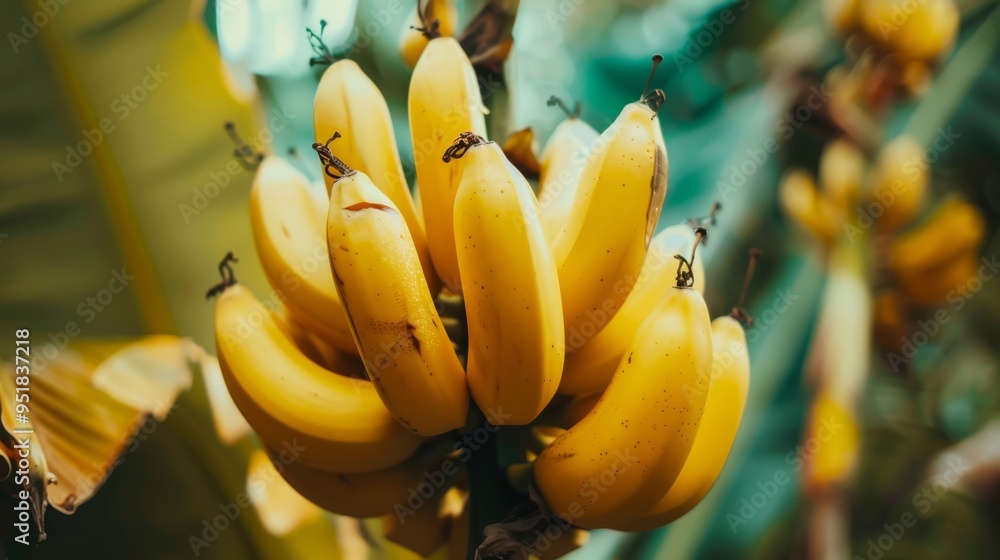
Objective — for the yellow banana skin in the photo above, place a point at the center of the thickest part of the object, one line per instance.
(727, 395)
(623, 456)
(360, 495)
(561, 165)
(348, 102)
(444, 101)
(511, 288)
(402, 340)
(590, 363)
(413, 42)
(956, 228)
(602, 244)
(290, 242)
(288, 399)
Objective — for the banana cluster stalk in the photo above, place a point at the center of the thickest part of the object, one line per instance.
(391, 313)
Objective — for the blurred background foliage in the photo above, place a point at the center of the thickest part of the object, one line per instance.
(62, 233)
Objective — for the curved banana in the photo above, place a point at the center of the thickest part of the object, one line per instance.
(620, 459)
(956, 228)
(841, 172)
(360, 495)
(925, 29)
(414, 37)
(339, 422)
(510, 284)
(727, 395)
(349, 103)
(590, 363)
(444, 102)
(601, 246)
(407, 353)
(292, 249)
(809, 208)
(948, 282)
(900, 181)
(561, 166)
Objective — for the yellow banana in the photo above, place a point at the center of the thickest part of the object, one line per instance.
(292, 248)
(363, 494)
(350, 104)
(444, 101)
(561, 166)
(438, 19)
(842, 15)
(956, 228)
(623, 456)
(601, 246)
(402, 340)
(339, 422)
(810, 209)
(510, 284)
(727, 394)
(899, 182)
(591, 362)
(921, 30)
(841, 172)
(946, 282)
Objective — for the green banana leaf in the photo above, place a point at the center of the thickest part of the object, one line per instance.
(120, 196)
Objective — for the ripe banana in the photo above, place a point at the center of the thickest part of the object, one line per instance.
(407, 353)
(619, 460)
(601, 246)
(339, 422)
(841, 172)
(809, 208)
(899, 183)
(292, 249)
(349, 103)
(727, 394)
(925, 31)
(561, 166)
(414, 38)
(956, 228)
(842, 15)
(444, 101)
(944, 283)
(510, 284)
(360, 495)
(590, 363)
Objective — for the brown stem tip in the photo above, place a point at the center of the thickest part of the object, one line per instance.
(461, 145)
(655, 98)
(685, 272)
(554, 101)
(332, 165)
(228, 277)
(739, 312)
(247, 157)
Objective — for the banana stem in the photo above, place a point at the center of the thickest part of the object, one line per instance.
(490, 497)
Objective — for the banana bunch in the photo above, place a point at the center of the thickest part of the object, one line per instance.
(924, 266)
(395, 326)
(908, 38)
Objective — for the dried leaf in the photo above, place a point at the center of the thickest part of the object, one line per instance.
(521, 149)
(488, 38)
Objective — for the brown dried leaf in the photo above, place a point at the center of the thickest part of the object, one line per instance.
(488, 38)
(521, 149)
